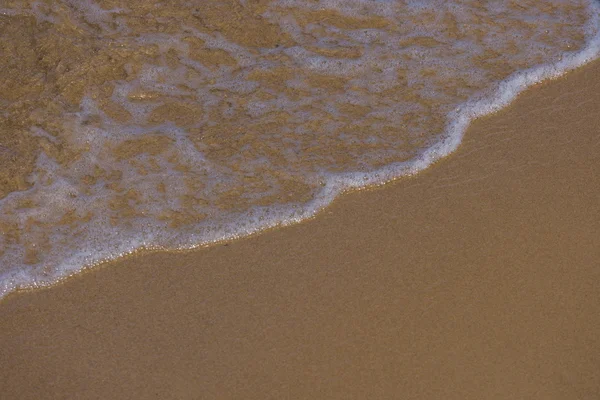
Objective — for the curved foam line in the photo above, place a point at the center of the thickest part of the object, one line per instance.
(336, 184)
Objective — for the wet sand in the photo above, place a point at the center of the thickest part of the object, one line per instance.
(477, 279)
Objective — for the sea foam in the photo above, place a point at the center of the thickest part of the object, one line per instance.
(190, 132)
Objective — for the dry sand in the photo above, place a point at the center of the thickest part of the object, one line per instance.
(477, 279)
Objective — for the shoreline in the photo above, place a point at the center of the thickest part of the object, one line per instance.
(476, 278)
(44, 258)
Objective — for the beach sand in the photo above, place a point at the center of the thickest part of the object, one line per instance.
(476, 279)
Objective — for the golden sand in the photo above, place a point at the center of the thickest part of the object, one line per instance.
(476, 279)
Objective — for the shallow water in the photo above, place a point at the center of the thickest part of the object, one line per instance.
(175, 125)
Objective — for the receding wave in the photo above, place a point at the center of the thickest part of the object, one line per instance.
(173, 125)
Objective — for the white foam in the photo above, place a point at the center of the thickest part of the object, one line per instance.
(56, 190)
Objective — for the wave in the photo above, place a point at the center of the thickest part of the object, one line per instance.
(146, 168)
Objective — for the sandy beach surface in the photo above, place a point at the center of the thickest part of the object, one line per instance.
(476, 279)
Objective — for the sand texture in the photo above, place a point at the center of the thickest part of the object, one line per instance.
(477, 279)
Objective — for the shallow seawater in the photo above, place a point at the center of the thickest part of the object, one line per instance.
(169, 125)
